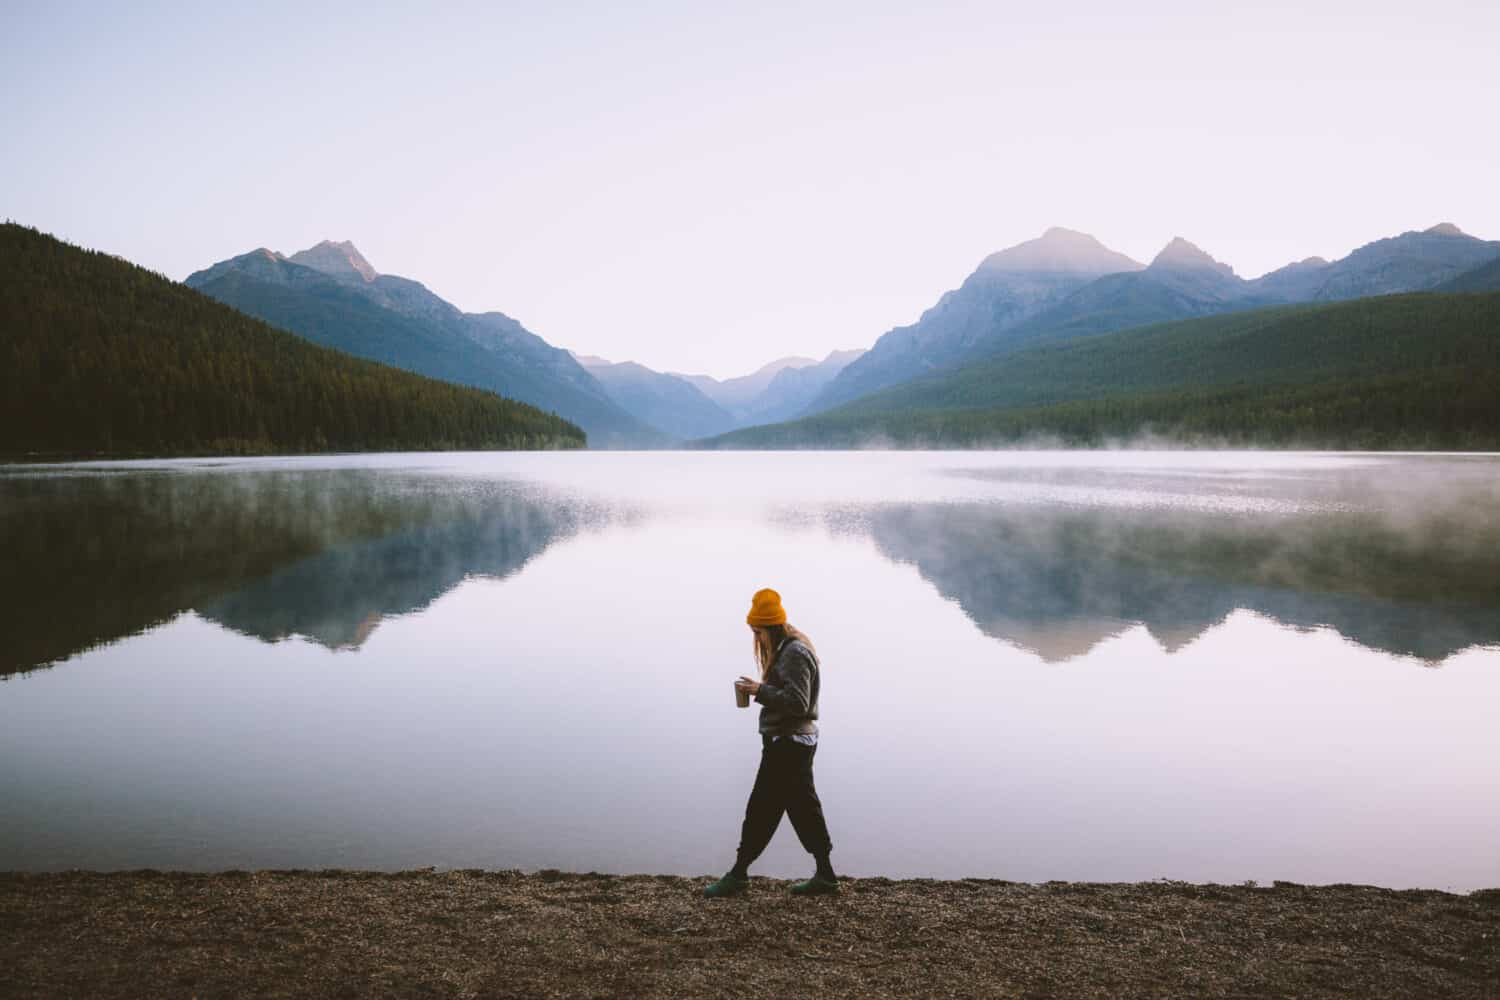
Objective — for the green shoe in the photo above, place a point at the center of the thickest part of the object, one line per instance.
(729, 885)
(816, 886)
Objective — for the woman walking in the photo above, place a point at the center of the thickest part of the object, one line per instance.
(787, 691)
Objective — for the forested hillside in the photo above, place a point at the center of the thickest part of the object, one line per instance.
(101, 358)
(1418, 371)
(332, 296)
(1001, 308)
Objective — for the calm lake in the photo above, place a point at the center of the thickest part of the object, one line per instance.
(1036, 665)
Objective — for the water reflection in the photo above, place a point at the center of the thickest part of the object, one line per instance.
(1052, 556)
(326, 554)
(1059, 581)
(339, 596)
(523, 661)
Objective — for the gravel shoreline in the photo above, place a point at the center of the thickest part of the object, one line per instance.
(552, 934)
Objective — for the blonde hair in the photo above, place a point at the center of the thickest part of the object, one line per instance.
(767, 639)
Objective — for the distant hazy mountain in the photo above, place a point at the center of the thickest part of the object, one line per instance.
(793, 389)
(1296, 282)
(1184, 268)
(1410, 262)
(1007, 289)
(331, 295)
(737, 395)
(1181, 282)
(668, 403)
(688, 406)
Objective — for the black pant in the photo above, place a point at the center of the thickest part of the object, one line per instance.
(784, 784)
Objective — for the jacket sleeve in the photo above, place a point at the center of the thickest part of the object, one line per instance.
(795, 695)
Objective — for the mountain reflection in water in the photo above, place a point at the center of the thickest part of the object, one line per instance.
(1054, 559)
(1060, 581)
(325, 554)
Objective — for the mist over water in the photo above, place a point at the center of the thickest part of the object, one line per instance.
(1115, 666)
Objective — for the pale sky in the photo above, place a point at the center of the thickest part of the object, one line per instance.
(705, 187)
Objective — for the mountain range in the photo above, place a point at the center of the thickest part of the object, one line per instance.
(1066, 284)
(669, 403)
(1062, 285)
(332, 295)
(1415, 371)
(794, 385)
(698, 406)
(1060, 288)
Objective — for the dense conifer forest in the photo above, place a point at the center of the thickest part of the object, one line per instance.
(101, 358)
(1417, 371)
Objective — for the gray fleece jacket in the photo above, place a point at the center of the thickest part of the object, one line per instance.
(789, 694)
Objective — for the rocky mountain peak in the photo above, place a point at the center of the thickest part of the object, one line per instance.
(1180, 255)
(341, 260)
(1446, 229)
(1060, 250)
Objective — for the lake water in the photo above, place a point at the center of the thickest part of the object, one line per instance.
(1084, 666)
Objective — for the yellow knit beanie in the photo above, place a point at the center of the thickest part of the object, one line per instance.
(765, 609)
